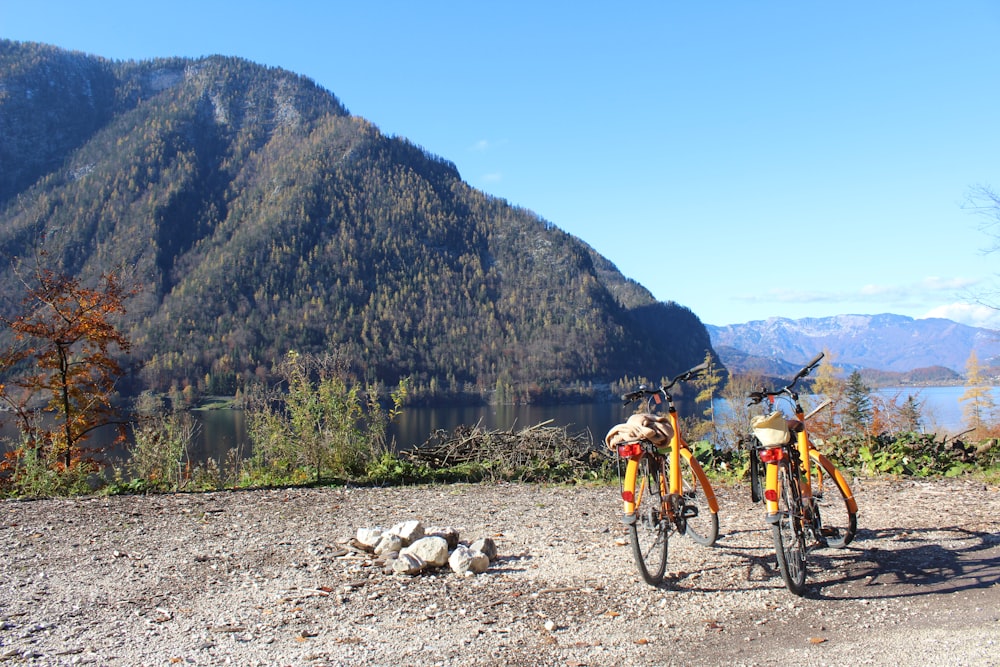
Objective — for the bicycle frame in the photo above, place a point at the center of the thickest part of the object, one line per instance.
(678, 448)
(802, 518)
(652, 451)
(806, 453)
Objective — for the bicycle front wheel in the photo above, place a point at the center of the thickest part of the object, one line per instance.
(649, 528)
(832, 499)
(702, 524)
(789, 538)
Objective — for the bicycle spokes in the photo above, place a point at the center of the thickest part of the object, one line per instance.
(649, 527)
(787, 531)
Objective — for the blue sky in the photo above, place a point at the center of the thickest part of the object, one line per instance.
(744, 159)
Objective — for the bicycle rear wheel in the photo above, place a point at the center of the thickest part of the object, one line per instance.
(837, 520)
(702, 524)
(789, 538)
(649, 529)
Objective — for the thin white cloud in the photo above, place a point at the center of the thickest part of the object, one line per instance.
(484, 145)
(949, 284)
(910, 294)
(974, 315)
(790, 296)
(918, 297)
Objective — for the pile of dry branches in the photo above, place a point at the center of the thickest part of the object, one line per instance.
(534, 446)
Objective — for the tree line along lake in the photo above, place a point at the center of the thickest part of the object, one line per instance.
(223, 430)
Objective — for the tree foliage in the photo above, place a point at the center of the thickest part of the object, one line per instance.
(978, 406)
(63, 362)
(827, 382)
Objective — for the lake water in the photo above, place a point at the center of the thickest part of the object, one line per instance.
(223, 430)
(941, 408)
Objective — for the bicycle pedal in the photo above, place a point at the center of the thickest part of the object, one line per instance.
(830, 532)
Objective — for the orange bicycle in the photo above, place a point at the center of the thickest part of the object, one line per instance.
(663, 487)
(809, 503)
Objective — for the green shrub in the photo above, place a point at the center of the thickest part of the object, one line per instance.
(31, 473)
(322, 423)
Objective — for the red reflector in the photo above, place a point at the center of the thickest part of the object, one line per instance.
(772, 455)
(628, 496)
(629, 450)
(771, 495)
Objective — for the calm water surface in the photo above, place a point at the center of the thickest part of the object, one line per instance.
(223, 430)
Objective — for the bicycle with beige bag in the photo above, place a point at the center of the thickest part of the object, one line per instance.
(809, 503)
(663, 487)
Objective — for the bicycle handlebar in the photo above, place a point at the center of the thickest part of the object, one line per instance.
(758, 396)
(683, 377)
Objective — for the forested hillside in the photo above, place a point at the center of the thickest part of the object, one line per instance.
(260, 216)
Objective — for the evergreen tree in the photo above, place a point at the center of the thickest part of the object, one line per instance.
(858, 412)
(910, 414)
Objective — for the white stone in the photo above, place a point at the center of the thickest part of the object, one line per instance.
(408, 564)
(448, 533)
(464, 560)
(409, 531)
(432, 550)
(487, 546)
(387, 543)
(368, 537)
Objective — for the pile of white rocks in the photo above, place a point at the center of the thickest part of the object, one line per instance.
(410, 549)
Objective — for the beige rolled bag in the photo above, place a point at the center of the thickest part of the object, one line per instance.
(771, 430)
(642, 426)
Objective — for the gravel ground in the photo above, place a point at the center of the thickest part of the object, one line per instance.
(260, 578)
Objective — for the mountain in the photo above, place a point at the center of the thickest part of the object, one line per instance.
(260, 216)
(888, 343)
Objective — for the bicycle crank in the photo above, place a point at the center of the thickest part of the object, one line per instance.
(679, 511)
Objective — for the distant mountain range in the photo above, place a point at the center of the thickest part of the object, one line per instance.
(925, 350)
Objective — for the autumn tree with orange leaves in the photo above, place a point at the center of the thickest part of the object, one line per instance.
(62, 362)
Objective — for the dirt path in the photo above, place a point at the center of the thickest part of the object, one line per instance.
(260, 578)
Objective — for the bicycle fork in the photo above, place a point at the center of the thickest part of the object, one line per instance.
(773, 458)
(803, 508)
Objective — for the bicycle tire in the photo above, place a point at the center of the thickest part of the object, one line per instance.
(756, 473)
(788, 534)
(703, 527)
(838, 522)
(649, 529)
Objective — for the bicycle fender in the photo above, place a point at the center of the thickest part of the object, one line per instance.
(713, 504)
